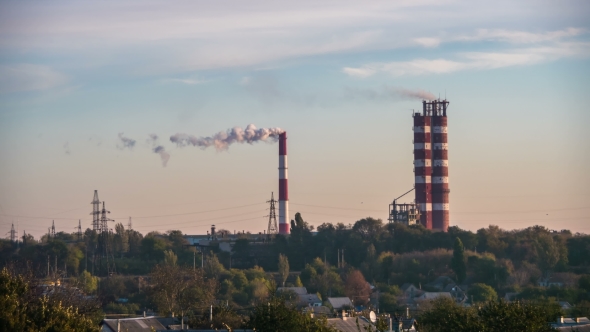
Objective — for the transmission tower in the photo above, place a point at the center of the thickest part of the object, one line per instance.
(104, 241)
(24, 238)
(79, 229)
(129, 225)
(53, 229)
(272, 217)
(12, 234)
(95, 212)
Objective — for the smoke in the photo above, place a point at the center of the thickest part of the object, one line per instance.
(125, 142)
(163, 154)
(387, 93)
(415, 94)
(223, 139)
(153, 140)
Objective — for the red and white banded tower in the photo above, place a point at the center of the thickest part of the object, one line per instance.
(423, 166)
(283, 186)
(440, 166)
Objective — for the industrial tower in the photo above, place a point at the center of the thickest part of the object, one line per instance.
(431, 166)
(283, 186)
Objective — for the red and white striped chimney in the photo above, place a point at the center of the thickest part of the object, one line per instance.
(423, 166)
(283, 186)
(440, 167)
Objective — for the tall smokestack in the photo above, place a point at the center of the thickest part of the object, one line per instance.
(423, 165)
(283, 186)
(440, 167)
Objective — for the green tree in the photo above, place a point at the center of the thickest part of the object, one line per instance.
(276, 316)
(21, 309)
(283, 268)
(298, 282)
(445, 315)
(88, 282)
(170, 258)
(482, 293)
(458, 263)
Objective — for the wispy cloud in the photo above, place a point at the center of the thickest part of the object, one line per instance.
(474, 61)
(29, 77)
(67, 148)
(188, 81)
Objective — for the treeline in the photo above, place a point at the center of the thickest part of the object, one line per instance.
(387, 255)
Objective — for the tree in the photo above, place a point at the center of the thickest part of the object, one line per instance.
(482, 293)
(298, 282)
(178, 289)
(458, 263)
(276, 316)
(170, 258)
(357, 288)
(283, 268)
(88, 282)
(23, 308)
(447, 316)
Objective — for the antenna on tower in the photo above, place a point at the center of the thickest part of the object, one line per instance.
(53, 229)
(272, 216)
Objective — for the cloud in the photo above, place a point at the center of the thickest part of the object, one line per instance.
(521, 37)
(125, 142)
(29, 77)
(164, 156)
(428, 42)
(474, 61)
(188, 81)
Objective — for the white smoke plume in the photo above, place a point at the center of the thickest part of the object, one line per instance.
(223, 139)
(125, 142)
(153, 140)
(388, 93)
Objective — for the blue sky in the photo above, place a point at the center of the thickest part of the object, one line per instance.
(337, 75)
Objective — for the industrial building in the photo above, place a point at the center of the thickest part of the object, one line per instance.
(431, 171)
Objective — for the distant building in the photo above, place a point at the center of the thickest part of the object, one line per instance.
(140, 324)
(433, 295)
(339, 303)
(579, 324)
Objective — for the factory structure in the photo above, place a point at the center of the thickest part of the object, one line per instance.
(283, 186)
(431, 171)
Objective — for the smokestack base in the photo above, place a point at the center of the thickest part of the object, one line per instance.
(284, 229)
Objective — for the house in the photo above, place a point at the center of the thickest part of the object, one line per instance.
(441, 282)
(296, 290)
(339, 303)
(348, 324)
(565, 305)
(580, 324)
(458, 294)
(304, 299)
(562, 279)
(309, 300)
(400, 324)
(433, 295)
(321, 310)
(140, 324)
(410, 290)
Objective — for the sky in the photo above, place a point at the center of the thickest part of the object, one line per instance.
(91, 94)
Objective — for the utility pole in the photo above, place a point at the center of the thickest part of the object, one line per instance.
(194, 260)
(47, 266)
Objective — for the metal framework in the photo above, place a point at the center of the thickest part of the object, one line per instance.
(404, 213)
(272, 216)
